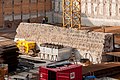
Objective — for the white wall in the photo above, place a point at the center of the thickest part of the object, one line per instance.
(94, 12)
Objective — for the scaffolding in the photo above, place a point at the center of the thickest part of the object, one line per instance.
(72, 13)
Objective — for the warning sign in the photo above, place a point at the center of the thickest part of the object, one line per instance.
(72, 75)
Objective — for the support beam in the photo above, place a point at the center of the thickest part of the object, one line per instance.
(37, 8)
(21, 11)
(72, 13)
(45, 7)
(3, 13)
(29, 9)
(13, 12)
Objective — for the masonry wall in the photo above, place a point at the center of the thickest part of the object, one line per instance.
(89, 44)
(11, 10)
(94, 12)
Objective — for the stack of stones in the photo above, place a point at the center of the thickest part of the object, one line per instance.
(93, 43)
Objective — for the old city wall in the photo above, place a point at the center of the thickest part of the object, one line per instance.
(93, 43)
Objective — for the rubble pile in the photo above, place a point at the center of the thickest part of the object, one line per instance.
(90, 44)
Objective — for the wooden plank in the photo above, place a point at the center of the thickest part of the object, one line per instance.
(101, 70)
(6, 42)
(117, 54)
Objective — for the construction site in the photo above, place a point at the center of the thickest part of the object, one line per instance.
(59, 40)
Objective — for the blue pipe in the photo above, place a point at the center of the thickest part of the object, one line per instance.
(89, 77)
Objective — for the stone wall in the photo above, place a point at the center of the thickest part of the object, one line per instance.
(88, 44)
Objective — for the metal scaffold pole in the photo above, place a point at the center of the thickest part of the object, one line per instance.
(3, 13)
(21, 11)
(37, 3)
(45, 7)
(53, 8)
(29, 9)
(13, 12)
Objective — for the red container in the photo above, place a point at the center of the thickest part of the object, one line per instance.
(71, 72)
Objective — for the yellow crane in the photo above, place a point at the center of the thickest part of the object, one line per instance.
(72, 13)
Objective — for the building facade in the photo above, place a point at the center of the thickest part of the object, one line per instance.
(94, 12)
(11, 10)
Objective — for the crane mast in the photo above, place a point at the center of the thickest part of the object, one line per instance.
(72, 13)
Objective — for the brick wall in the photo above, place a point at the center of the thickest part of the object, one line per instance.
(93, 43)
(15, 8)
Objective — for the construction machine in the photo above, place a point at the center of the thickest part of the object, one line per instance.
(26, 47)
